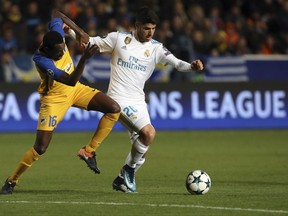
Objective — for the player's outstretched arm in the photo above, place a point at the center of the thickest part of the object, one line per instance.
(82, 36)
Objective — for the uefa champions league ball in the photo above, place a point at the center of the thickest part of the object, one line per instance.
(198, 182)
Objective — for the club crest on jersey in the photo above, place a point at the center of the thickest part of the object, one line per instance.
(127, 40)
(147, 53)
(43, 120)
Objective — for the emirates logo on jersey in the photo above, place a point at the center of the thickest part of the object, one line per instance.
(147, 53)
(127, 40)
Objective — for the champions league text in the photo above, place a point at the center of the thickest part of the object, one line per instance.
(182, 108)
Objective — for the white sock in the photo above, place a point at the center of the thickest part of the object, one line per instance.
(128, 158)
(139, 150)
(139, 164)
(133, 136)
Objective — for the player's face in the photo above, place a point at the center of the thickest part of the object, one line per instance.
(145, 32)
(57, 52)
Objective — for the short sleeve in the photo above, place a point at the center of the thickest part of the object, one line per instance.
(56, 24)
(106, 43)
(47, 66)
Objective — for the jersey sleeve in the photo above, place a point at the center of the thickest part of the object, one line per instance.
(105, 43)
(47, 66)
(56, 24)
(166, 57)
(44, 64)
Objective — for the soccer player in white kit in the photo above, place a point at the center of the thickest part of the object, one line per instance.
(134, 57)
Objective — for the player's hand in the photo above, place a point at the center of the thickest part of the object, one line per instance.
(197, 65)
(66, 29)
(83, 39)
(90, 50)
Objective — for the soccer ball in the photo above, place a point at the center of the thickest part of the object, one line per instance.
(198, 182)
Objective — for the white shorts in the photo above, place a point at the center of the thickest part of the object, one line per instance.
(134, 116)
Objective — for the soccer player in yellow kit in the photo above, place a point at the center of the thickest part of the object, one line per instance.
(59, 90)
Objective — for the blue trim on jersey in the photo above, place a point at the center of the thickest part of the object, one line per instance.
(46, 65)
(56, 24)
(153, 41)
(125, 33)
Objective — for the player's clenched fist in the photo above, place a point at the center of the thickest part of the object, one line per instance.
(197, 65)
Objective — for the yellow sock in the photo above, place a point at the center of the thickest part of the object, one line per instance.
(104, 128)
(28, 159)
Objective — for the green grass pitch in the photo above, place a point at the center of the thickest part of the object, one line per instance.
(248, 169)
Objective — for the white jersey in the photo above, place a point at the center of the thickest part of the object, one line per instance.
(132, 63)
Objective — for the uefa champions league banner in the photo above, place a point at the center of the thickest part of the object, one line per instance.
(172, 106)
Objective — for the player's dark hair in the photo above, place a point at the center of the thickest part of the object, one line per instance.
(146, 15)
(52, 38)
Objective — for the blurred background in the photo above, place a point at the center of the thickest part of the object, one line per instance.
(241, 42)
(189, 28)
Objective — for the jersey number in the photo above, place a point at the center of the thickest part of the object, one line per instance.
(52, 121)
(129, 110)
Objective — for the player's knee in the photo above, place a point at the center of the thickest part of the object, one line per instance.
(40, 149)
(148, 136)
(115, 108)
(151, 135)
